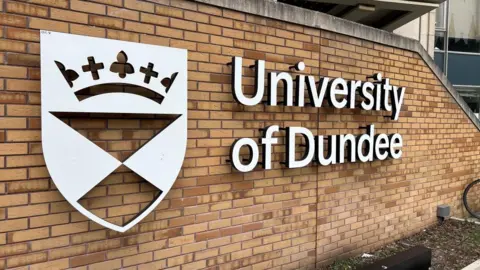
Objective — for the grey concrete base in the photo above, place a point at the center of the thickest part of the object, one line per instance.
(471, 220)
(473, 266)
(292, 14)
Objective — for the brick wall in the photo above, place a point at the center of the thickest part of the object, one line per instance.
(213, 217)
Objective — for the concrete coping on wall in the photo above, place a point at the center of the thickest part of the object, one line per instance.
(288, 13)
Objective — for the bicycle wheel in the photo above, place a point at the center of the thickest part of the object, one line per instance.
(471, 198)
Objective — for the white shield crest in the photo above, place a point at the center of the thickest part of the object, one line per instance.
(70, 63)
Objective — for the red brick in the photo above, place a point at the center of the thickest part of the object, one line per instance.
(13, 20)
(169, 11)
(69, 16)
(182, 24)
(87, 30)
(52, 25)
(26, 235)
(154, 19)
(54, 3)
(13, 224)
(87, 7)
(139, 5)
(27, 9)
(107, 22)
(22, 34)
(123, 13)
(87, 259)
(12, 46)
(26, 259)
(13, 72)
(23, 60)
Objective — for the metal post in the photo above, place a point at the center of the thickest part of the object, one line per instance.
(447, 23)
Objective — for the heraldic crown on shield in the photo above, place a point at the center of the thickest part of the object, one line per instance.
(70, 63)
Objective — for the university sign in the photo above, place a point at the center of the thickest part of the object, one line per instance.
(340, 94)
(71, 63)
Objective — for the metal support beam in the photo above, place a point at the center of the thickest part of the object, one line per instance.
(359, 12)
(410, 16)
(337, 10)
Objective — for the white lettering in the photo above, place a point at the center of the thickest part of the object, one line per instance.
(334, 91)
(309, 147)
(273, 80)
(237, 160)
(267, 142)
(317, 94)
(237, 82)
(368, 103)
(396, 142)
(398, 95)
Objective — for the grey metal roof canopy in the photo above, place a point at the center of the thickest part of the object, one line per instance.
(292, 14)
(383, 14)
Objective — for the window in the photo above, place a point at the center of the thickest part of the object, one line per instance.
(471, 95)
(440, 40)
(464, 26)
(441, 17)
(441, 36)
(457, 47)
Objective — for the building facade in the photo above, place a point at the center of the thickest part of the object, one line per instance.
(421, 29)
(216, 217)
(412, 19)
(456, 47)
